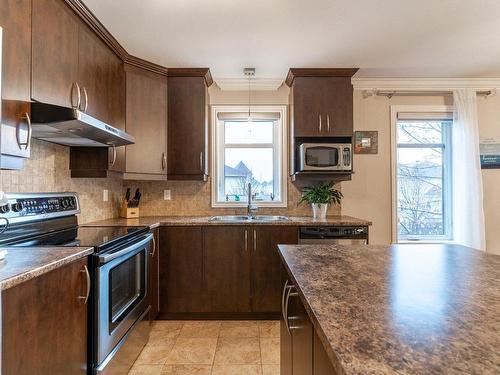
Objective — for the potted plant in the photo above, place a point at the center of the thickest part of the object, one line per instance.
(320, 196)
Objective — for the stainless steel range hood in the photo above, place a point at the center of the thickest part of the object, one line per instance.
(71, 127)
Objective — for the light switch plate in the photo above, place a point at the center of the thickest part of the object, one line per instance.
(167, 195)
(105, 195)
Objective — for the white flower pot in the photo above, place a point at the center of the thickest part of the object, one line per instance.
(319, 210)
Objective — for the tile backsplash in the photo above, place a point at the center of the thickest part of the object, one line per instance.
(190, 198)
(48, 170)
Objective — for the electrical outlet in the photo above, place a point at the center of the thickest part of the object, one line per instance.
(105, 195)
(166, 195)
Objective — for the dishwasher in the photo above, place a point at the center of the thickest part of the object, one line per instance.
(348, 235)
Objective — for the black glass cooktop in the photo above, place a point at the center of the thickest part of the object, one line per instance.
(98, 237)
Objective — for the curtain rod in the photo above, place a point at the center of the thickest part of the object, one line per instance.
(390, 94)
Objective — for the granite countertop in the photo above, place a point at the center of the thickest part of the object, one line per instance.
(155, 221)
(401, 309)
(24, 263)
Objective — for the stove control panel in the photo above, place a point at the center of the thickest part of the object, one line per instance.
(20, 207)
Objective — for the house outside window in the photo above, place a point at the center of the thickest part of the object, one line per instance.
(422, 172)
(249, 150)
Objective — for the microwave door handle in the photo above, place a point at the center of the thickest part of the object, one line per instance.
(103, 259)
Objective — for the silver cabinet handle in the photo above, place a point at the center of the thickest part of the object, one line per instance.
(78, 95)
(320, 125)
(85, 298)
(283, 295)
(163, 161)
(113, 160)
(328, 123)
(84, 109)
(28, 137)
(154, 247)
(6, 225)
(246, 240)
(254, 240)
(201, 161)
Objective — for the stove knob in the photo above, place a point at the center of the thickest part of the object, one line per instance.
(71, 202)
(17, 207)
(4, 209)
(65, 203)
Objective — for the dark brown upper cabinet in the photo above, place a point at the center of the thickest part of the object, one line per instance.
(321, 102)
(188, 123)
(146, 121)
(15, 19)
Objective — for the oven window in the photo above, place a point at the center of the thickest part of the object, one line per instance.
(322, 156)
(127, 286)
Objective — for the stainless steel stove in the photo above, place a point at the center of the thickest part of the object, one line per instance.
(119, 302)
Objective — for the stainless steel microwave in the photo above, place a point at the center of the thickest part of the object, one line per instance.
(325, 157)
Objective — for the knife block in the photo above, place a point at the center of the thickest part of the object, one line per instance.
(128, 212)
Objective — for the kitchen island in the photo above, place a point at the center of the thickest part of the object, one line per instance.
(401, 309)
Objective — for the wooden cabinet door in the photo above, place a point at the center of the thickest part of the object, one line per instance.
(307, 101)
(285, 335)
(337, 106)
(92, 73)
(187, 128)
(321, 362)
(45, 325)
(54, 52)
(266, 282)
(181, 271)
(226, 253)
(302, 337)
(154, 269)
(15, 19)
(146, 116)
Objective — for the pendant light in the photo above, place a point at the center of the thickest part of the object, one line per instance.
(249, 73)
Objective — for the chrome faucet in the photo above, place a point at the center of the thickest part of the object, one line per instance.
(250, 207)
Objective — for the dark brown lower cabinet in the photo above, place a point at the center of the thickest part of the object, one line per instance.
(181, 271)
(321, 363)
(265, 271)
(44, 324)
(302, 352)
(227, 252)
(153, 290)
(221, 271)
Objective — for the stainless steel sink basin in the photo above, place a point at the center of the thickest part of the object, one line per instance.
(248, 219)
(229, 218)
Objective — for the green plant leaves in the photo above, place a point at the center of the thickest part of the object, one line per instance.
(321, 193)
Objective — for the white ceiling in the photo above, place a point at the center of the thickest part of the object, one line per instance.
(432, 38)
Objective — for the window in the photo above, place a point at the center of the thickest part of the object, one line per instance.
(423, 176)
(248, 150)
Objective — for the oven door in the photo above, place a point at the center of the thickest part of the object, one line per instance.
(320, 157)
(122, 295)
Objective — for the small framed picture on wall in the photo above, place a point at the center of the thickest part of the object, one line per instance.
(366, 142)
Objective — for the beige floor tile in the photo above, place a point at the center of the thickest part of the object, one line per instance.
(200, 329)
(167, 325)
(239, 328)
(155, 354)
(186, 370)
(161, 334)
(145, 370)
(238, 351)
(270, 369)
(237, 370)
(270, 351)
(192, 351)
(269, 328)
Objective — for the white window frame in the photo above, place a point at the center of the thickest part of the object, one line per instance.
(395, 109)
(280, 155)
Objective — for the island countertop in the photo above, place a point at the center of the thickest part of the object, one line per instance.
(401, 309)
(25, 263)
(156, 221)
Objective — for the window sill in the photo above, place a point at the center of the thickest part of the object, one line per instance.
(245, 205)
(424, 242)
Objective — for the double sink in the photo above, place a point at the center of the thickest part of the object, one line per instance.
(249, 219)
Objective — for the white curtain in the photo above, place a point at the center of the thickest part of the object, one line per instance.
(468, 213)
